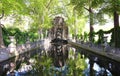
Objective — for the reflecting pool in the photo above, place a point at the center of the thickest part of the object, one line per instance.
(67, 61)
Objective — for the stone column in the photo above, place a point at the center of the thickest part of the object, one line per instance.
(12, 46)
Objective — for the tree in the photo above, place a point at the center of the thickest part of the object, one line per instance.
(115, 10)
(8, 7)
(112, 8)
(1, 36)
(82, 6)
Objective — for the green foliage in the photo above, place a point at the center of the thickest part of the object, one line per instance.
(80, 6)
(109, 6)
(99, 9)
(21, 37)
(96, 3)
(43, 65)
(41, 13)
(10, 6)
(76, 66)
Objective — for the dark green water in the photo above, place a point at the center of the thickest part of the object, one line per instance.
(78, 63)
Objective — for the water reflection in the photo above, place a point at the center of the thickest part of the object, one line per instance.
(93, 69)
(59, 55)
(98, 65)
(64, 61)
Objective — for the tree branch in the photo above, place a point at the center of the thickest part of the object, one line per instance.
(90, 10)
(87, 9)
(47, 6)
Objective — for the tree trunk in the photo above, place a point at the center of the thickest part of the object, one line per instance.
(1, 36)
(116, 29)
(91, 25)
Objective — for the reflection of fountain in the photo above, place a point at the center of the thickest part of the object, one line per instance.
(59, 52)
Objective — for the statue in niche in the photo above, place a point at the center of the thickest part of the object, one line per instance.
(59, 29)
(12, 46)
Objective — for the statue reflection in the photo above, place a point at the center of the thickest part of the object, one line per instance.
(59, 53)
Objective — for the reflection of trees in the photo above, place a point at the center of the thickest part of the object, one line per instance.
(107, 66)
(76, 66)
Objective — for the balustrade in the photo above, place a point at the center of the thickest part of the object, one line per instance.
(5, 52)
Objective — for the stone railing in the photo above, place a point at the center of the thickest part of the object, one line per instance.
(103, 50)
(6, 54)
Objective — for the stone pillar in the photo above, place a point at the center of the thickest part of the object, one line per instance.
(28, 44)
(105, 45)
(12, 46)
